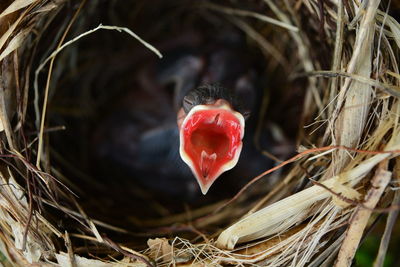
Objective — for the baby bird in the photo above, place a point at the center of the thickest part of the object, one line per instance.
(186, 117)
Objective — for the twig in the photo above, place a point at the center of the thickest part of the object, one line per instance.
(4, 117)
(266, 46)
(321, 8)
(246, 13)
(337, 54)
(77, 216)
(390, 222)
(361, 216)
(47, 88)
(68, 244)
(30, 167)
(115, 246)
(388, 88)
(90, 223)
(30, 215)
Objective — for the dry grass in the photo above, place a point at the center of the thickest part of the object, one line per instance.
(347, 158)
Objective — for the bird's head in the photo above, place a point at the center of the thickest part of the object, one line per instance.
(211, 133)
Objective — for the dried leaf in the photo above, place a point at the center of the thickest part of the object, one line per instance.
(7, 34)
(16, 5)
(15, 43)
(32, 251)
(64, 261)
(160, 249)
(50, 6)
(354, 97)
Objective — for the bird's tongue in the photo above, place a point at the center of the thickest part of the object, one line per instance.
(210, 142)
(207, 163)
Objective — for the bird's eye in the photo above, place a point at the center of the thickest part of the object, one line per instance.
(188, 103)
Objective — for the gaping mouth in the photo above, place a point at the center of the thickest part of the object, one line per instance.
(211, 142)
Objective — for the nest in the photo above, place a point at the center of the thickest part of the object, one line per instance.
(334, 85)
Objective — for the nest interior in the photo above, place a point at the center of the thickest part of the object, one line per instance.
(325, 74)
(99, 105)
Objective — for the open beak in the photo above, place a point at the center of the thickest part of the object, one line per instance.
(211, 141)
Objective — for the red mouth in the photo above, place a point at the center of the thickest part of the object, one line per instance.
(211, 142)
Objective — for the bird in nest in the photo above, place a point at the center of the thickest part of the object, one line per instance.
(185, 122)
